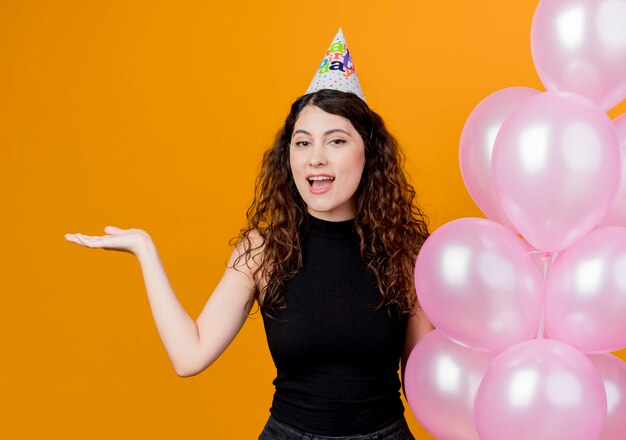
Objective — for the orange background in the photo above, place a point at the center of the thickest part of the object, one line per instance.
(154, 115)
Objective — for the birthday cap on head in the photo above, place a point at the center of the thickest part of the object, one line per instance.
(337, 71)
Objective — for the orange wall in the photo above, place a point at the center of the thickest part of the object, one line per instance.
(154, 114)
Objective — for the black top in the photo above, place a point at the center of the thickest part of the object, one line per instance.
(336, 360)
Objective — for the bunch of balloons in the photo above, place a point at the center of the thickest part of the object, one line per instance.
(525, 326)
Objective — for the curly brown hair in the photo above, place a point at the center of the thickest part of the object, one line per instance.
(390, 226)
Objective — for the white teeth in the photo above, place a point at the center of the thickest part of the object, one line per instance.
(321, 178)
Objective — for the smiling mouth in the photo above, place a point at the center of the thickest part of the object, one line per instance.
(320, 182)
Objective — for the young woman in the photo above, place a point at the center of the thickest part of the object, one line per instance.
(328, 255)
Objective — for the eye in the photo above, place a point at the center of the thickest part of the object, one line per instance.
(302, 143)
(338, 141)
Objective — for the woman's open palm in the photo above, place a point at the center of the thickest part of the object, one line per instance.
(127, 240)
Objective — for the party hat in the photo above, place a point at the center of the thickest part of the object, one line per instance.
(337, 70)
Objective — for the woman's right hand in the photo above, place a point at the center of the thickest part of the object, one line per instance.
(191, 345)
(126, 240)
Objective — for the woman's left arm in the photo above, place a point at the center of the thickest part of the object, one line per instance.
(417, 327)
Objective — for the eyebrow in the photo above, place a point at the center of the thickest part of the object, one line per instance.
(334, 130)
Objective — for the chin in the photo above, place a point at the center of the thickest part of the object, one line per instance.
(321, 207)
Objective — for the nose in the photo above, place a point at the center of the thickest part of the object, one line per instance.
(317, 155)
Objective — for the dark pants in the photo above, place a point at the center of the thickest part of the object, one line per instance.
(275, 430)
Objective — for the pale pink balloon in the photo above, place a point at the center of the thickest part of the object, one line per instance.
(616, 215)
(476, 284)
(476, 146)
(540, 390)
(613, 373)
(556, 168)
(580, 46)
(585, 292)
(440, 381)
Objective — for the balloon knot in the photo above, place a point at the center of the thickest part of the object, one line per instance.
(546, 256)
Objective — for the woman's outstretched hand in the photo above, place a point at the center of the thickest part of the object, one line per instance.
(192, 345)
(127, 240)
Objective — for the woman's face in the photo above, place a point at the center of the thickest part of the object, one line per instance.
(327, 157)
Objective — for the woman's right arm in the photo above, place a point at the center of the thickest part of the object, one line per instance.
(191, 345)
